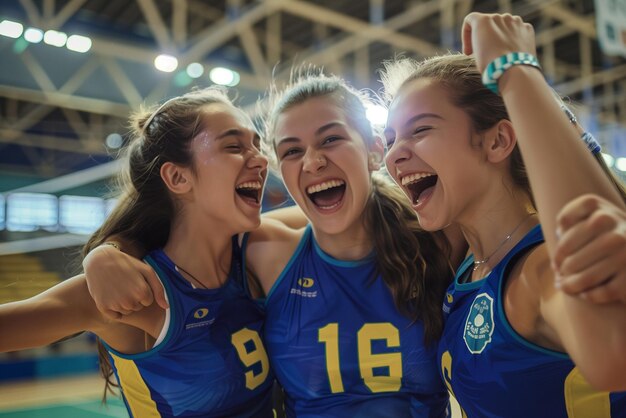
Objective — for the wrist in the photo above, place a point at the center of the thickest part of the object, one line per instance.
(504, 65)
(520, 75)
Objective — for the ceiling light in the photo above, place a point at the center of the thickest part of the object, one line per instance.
(166, 63)
(33, 35)
(195, 70)
(78, 43)
(55, 38)
(620, 164)
(224, 76)
(11, 29)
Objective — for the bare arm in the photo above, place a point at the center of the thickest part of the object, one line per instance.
(560, 169)
(292, 216)
(61, 311)
(119, 282)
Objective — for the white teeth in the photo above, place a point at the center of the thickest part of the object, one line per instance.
(249, 185)
(414, 177)
(324, 186)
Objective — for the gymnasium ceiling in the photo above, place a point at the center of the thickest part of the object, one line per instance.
(57, 106)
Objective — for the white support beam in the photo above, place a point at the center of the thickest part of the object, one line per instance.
(66, 12)
(156, 24)
(254, 54)
(63, 100)
(217, 34)
(179, 22)
(358, 27)
(50, 142)
(592, 80)
(48, 10)
(37, 71)
(352, 42)
(273, 38)
(123, 83)
(583, 24)
(76, 179)
(32, 13)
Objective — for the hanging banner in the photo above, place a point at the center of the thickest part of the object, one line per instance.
(611, 26)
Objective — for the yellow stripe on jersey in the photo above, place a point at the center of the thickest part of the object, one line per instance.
(582, 401)
(135, 390)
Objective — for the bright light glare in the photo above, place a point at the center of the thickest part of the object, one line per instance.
(376, 114)
(11, 29)
(33, 35)
(54, 38)
(195, 70)
(620, 164)
(166, 63)
(224, 76)
(78, 43)
(608, 159)
(114, 141)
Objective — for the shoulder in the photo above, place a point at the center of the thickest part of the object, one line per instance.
(528, 287)
(269, 249)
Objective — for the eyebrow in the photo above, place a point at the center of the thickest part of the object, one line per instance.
(234, 132)
(414, 119)
(319, 131)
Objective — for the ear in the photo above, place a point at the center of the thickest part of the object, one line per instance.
(500, 141)
(376, 152)
(176, 178)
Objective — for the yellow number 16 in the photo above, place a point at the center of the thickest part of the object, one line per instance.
(329, 335)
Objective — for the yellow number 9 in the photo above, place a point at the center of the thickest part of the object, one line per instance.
(249, 358)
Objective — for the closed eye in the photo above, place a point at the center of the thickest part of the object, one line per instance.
(290, 152)
(421, 130)
(331, 139)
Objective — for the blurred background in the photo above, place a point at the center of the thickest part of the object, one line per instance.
(71, 71)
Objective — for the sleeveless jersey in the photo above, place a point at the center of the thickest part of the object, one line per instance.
(211, 362)
(494, 372)
(340, 348)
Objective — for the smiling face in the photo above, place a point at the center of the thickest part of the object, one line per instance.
(229, 170)
(434, 154)
(324, 163)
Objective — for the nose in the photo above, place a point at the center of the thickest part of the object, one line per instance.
(313, 161)
(396, 155)
(257, 160)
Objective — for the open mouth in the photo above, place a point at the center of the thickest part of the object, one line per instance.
(250, 191)
(327, 195)
(419, 185)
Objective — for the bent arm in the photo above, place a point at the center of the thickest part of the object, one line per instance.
(593, 335)
(60, 311)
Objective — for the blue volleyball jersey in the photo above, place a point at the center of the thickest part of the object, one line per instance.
(494, 372)
(211, 362)
(340, 348)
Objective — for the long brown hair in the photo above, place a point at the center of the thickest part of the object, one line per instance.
(413, 263)
(458, 74)
(145, 209)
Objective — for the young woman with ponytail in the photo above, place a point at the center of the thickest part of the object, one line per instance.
(192, 182)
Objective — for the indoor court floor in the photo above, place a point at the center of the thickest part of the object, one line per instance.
(73, 397)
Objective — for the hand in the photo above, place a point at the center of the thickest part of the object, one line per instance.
(120, 284)
(489, 36)
(590, 257)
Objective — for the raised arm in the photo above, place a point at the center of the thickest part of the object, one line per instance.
(560, 169)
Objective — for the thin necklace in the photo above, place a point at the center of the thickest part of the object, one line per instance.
(180, 269)
(478, 263)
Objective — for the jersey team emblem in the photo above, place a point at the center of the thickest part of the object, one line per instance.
(479, 324)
